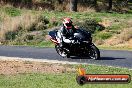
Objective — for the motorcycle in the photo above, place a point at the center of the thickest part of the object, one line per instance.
(79, 45)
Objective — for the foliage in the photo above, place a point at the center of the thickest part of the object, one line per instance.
(11, 35)
(40, 24)
(104, 35)
(17, 1)
(43, 19)
(114, 27)
(90, 25)
(11, 11)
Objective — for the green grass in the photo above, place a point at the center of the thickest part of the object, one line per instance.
(48, 44)
(114, 48)
(83, 15)
(51, 45)
(11, 11)
(103, 36)
(43, 44)
(0, 19)
(61, 80)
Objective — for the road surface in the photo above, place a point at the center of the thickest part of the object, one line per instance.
(108, 57)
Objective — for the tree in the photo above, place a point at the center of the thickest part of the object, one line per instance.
(60, 1)
(95, 3)
(110, 5)
(73, 5)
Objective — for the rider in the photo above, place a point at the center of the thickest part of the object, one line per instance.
(66, 31)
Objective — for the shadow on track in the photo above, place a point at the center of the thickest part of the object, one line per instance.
(101, 58)
(110, 58)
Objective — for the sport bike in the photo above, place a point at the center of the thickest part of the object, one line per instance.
(79, 45)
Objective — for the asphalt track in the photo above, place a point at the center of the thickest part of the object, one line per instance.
(108, 57)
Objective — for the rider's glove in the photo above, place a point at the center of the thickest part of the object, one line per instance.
(72, 41)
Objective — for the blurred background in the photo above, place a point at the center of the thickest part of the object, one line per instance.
(26, 22)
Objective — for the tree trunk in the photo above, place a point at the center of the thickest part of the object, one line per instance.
(73, 5)
(110, 5)
(95, 3)
(60, 1)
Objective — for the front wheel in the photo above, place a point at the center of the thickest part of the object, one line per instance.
(94, 52)
(61, 52)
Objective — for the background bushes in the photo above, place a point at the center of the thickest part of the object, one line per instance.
(11, 11)
(91, 25)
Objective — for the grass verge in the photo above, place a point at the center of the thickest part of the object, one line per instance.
(114, 48)
(51, 45)
(61, 80)
(48, 44)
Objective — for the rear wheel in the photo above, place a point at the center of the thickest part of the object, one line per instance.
(94, 52)
(61, 52)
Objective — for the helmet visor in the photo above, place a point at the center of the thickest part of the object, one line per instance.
(68, 24)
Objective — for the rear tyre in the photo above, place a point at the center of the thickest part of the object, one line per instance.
(94, 52)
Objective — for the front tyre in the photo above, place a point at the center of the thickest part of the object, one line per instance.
(94, 52)
(61, 52)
